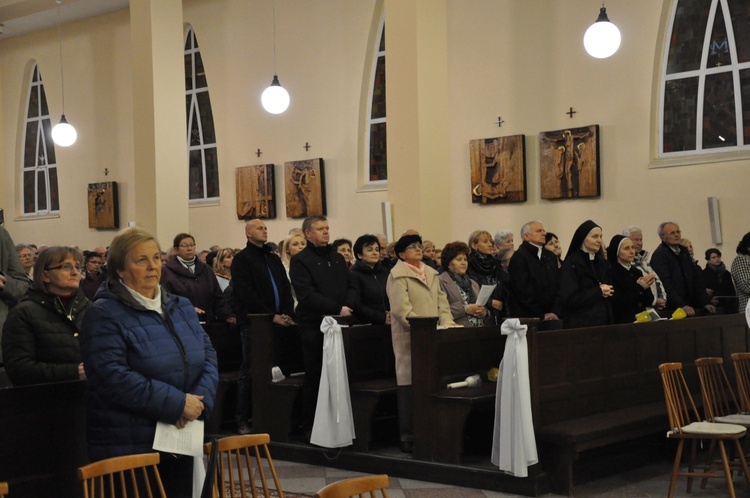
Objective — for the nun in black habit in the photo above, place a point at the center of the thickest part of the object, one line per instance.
(585, 285)
(632, 288)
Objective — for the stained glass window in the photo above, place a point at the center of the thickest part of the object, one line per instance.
(706, 78)
(203, 164)
(39, 168)
(377, 166)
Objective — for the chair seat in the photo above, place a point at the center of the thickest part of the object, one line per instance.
(735, 418)
(711, 428)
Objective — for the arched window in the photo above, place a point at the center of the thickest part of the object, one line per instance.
(377, 164)
(39, 170)
(202, 159)
(705, 106)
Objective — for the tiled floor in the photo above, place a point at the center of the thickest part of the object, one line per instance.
(652, 480)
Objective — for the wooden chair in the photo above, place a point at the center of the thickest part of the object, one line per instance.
(361, 487)
(685, 424)
(128, 474)
(719, 402)
(741, 362)
(3, 489)
(234, 466)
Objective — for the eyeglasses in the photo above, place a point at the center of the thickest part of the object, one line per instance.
(65, 267)
(25, 256)
(673, 232)
(415, 247)
(92, 262)
(186, 246)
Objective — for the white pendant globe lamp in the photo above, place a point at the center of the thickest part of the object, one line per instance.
(63, 133)
(275, 99)
(602, 39)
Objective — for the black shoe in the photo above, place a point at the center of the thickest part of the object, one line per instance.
(407, 446)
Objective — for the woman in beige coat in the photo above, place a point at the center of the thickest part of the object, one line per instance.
(413, 290)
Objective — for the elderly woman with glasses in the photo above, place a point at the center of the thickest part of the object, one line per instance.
(26, 256)
(187, 276)
(40, 336)
(413, 290)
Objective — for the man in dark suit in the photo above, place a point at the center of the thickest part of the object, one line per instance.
(677, 271)
(319, 277)
(259, 285)
(534, 277)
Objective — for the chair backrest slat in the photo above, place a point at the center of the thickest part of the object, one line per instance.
(718, 396)
(356, 487)
(741, 362)
(680, 405)
(127, 473)
(235, 466)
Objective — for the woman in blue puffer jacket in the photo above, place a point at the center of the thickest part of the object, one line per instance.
(147, 360)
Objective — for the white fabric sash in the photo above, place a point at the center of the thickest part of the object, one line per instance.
(334, 424)
(513, 442)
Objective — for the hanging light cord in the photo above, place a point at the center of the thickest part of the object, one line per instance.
(59, 44)
(274, 37)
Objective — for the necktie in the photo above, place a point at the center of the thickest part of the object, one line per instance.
(275, 289)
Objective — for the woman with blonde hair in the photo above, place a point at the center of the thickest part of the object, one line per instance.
(223, 267)
(289, 248)
(486, 269)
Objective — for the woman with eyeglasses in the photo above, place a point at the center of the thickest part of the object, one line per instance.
(186, 275)
(40, 336)
(413, 290)
(26, 256)
(92, 273)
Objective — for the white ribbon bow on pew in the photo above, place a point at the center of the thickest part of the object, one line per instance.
(513, 441)
(334, 424)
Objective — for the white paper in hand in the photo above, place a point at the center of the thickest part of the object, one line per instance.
(485, 293)
(185, 441)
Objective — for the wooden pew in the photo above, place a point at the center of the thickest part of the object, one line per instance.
(600, 385)
(43, 435)
(372, 376)
(228, 345)
(370, 366)
(443, 356)
(274, 402)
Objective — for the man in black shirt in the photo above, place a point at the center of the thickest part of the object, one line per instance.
(259, 285)
(319, 276)
(534, 277)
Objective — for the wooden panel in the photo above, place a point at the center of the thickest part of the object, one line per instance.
(43, 434)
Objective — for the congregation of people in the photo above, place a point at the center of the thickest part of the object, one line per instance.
(128, 318)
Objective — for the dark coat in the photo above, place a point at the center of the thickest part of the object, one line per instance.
(630, 297)
(722, 288)
(140, 365)
(201, 288)
(40, 339)
(90, 284)
(251, 287)
(680, 278)
(367, 295)
(320, 280)
(582, 299)
(534, 283)
(486, 274)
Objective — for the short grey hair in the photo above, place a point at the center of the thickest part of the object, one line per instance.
(502, 235)
(527, 227)
(660, 230)
(631, 230)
